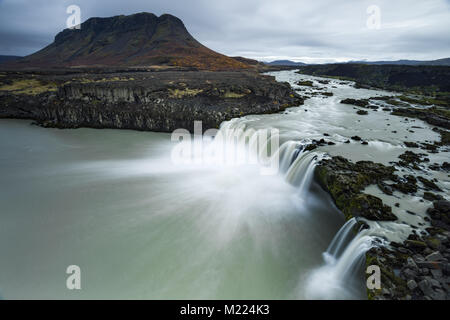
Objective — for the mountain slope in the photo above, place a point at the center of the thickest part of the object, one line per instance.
(8, 58)
(285, 63)
(141, 39)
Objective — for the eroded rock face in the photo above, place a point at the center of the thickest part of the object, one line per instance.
(152, 101)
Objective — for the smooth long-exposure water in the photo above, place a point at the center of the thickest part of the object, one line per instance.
(141, 227)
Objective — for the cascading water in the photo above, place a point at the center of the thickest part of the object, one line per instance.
(288, 153)
(345, 256)
(343, 260)
(340, 241)
(296, 165)
(300, 173)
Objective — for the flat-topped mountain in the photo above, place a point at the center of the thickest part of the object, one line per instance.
(141, 39)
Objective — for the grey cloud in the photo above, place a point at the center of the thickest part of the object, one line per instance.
(322, 30)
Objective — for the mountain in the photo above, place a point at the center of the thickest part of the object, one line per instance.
(439, 62)
(285, 63)
(141, 39)
(248, 61)
(8, 58)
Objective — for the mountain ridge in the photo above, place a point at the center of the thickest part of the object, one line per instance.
(285, 63)
(406, 62)
(140, 39)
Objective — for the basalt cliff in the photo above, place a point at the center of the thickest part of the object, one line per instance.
(151, 101)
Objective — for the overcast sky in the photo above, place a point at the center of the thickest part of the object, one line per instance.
(309, 31)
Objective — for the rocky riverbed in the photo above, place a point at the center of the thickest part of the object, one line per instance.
(386, 164)
(419, 266)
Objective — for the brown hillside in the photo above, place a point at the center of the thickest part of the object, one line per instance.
(141, 39)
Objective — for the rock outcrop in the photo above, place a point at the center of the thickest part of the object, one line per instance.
(345, 181)
(153, 101)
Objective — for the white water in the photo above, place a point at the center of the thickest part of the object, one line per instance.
(340, 277)
(341, 240)
(141, 226)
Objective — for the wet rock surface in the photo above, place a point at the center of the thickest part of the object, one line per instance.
(356, 102)
(402, 276)
(425, 115)
(345, 181)
(412, 160)
(419, 268)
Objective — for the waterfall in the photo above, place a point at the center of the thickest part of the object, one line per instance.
(340, 240)
(288, 153)
(237, 144)
(300, 173)
(338, 277)
(343, 262)
(296, 165)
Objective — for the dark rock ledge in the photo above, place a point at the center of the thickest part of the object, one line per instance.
(149, 101)
(345, 181)
(417, 269)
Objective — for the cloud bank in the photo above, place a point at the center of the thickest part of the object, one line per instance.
(318, 31)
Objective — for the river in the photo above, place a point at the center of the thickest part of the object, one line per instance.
(140, 226)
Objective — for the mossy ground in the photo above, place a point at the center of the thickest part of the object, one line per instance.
(28, 87)
(178, 94)
(345, 181)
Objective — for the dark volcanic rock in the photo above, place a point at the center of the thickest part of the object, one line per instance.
(153, 101)
(318, 143)
(369, 207)
(429, 185)
(431, 196)
(305, 83)
(406, 184)
(345, 181)
(412, 160)
(423, 262)
(362, 112)
(425, 115)
(360, 103)
(411, 144)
